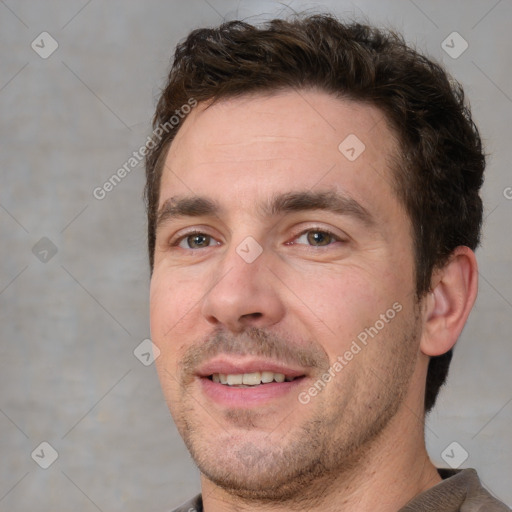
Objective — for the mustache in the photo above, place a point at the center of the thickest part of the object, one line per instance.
(255, 342)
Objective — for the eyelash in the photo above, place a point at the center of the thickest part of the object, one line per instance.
(177, 241)
(336, 238)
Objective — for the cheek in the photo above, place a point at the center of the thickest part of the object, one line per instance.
(361, 324)
(336, 305)
(174, 302)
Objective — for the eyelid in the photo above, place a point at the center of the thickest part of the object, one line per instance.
(337, 236)
(177, 238)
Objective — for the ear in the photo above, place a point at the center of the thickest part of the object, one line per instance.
(448, 304)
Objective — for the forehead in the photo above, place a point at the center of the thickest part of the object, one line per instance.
(260, 145)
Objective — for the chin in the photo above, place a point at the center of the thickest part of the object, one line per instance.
(257, 468)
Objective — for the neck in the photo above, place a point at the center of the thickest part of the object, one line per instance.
(392, 471)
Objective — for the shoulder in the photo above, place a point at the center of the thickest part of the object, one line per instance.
(459, 490)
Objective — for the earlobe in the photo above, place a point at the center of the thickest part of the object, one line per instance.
(447, 306)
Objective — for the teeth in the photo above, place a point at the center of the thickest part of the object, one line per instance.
(250, 379)
(236, 379)
(267, 377)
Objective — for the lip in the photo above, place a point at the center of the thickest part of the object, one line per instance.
(247, 397)
(244, 398)
(232, 365)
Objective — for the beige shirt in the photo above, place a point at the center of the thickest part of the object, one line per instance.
(460, 491)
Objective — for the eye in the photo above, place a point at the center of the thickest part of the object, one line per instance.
(195, 240)
(316, 238)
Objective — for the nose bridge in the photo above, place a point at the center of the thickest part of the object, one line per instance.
(242, 294)
(242, 269)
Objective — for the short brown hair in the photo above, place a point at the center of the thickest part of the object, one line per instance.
(439, 170)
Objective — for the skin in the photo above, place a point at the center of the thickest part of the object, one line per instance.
(358, 444)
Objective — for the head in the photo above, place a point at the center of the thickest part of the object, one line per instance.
(309, 84)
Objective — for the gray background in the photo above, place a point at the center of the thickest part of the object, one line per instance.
(69, 325)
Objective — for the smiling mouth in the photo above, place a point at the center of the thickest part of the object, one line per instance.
(253, 379)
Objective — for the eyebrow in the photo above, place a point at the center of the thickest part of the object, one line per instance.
(190, 206)
(308, 200)
(197, 206)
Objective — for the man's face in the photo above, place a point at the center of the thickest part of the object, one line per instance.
(279, 253)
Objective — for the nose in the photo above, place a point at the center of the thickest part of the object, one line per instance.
(243, 294)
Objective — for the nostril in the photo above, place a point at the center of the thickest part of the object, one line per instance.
(252, 316)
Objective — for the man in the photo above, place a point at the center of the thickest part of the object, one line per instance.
(313, 207)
